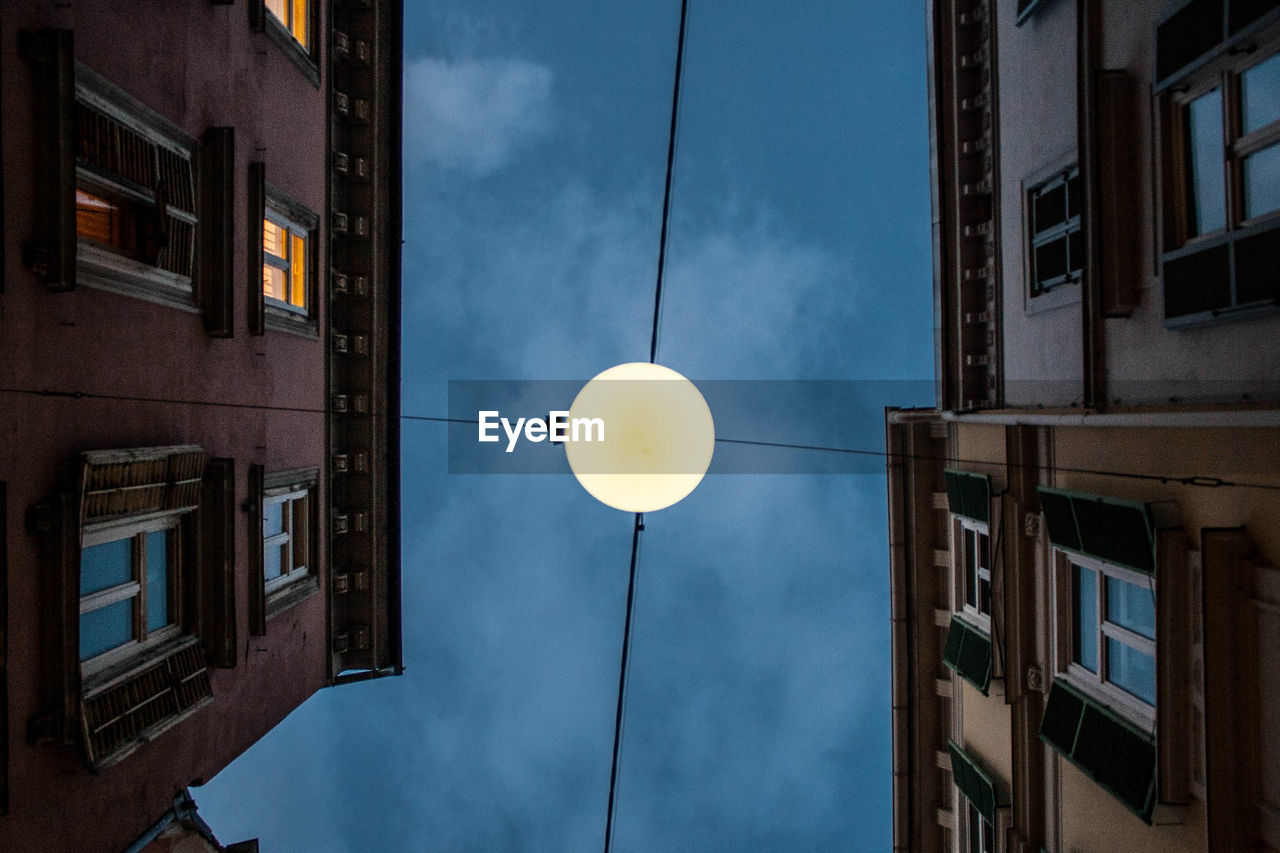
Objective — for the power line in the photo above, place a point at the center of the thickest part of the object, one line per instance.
(622, 679)
(1199, 481)
(666, 195)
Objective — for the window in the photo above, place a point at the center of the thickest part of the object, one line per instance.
(283, 258)
(286, 537)
(283, 553)
(1113, 631)
(975, 568)
(292, 15)
(1221, 160)
(981, 835)
(129, 589)
(1057, 245)
(284, 264)
(135, 197)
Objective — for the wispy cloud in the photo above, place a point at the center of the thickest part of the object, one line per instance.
(474, 115)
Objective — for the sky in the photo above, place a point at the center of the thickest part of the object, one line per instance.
(757, 706)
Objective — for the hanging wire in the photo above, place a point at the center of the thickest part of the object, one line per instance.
(666, 193)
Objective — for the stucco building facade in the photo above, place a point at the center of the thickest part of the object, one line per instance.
(1086, 601)
(199, 326)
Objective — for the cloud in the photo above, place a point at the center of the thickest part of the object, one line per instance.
(474, 115)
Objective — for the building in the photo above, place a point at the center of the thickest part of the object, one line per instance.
(1085, 533)
(199, 390)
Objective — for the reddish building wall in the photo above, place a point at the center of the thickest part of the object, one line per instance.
(198, 65)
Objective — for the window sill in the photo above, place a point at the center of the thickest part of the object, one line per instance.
(297, 54)
(1050, 300)
(103, 269)
(282, 320)
(291, 595)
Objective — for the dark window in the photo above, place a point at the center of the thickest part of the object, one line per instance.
(1057, 248)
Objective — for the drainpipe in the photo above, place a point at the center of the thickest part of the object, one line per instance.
(184, 809)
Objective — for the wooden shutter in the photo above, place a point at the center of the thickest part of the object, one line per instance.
(968, 652)
(217, 232)
(973, 782)
(129, 711)
(257, 589)
(257, 212)
(50, 251)
(969, 495)
(1110, 529)
(141, 480)
(1111, 751)
(217, 562)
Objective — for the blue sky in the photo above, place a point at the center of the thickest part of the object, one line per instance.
(758, 701)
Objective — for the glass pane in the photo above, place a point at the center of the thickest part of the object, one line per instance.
(157, 580)
(300, 532)
(975, 830)
(298, 272)
(279, 9)
(273, 282)
(1262, 182)
(1131, 670)
(970, 574)
(273, 239)
(1050, 207)
(1204, 126)
(1075, 251)
(1260, 94)
(1073, 196)
(300, 21)
(984, 551)
(984, 596)
(1084, 594)
(272, 561)
(1051, 260)
(988, 837)
(1131, 606)
(272, 519)
(106, 565)
(105, 628)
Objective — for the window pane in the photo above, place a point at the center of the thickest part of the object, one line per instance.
(273, 239)
(300, 21)
(273, 282)
(272, 519)
(1131, 606)
(1073, 195)
(106, 565)
(988, 837)
(1050, 207)
(975, 830)
(157, 580)
(1084, 589)
(1051, 260)
(1131, 670)
(1208, 198)
(279, 9)
(970, 573)
(984, 551)
(1260, 94)
(272, 561)
(984, 596)
(105, 628)
(300, 532)
(1075, 251)
(1262, 182)
(298, 272)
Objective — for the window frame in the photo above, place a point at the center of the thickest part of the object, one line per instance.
(290, 571)
(97, 264)
(305, 56)
(283, 210)
(144, 640)
(1177, 185)
(1096, 685)
(966, 566)
(973, 817)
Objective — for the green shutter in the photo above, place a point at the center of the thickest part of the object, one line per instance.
(976, 785)
(1107, 748)
(1110, 529)
(968, 652)
(969, 495)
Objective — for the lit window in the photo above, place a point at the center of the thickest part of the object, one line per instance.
(286, 538)
(1057, 246)
(284, 264)
(292, 15)
(136, 217)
